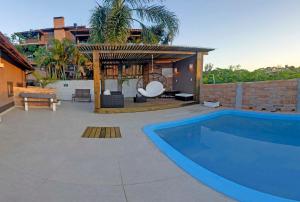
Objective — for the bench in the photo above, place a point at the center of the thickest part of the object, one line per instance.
(42, 98)
(82, 94)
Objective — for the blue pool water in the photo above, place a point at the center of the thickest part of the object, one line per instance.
(248, 156)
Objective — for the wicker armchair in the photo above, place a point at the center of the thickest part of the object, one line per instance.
(115, 100)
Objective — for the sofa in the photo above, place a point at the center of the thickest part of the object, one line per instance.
(114, 100)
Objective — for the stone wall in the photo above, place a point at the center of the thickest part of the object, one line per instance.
(281, 95)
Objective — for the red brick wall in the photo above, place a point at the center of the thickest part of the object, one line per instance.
(267, 95)
(270, 95)
(224, 93)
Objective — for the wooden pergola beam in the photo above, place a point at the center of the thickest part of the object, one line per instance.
(146, 52)
(97, 78)
(135, 61)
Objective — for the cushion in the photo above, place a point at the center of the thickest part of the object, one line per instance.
(106, 92)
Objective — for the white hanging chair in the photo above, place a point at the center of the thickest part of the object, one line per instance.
(153, 89)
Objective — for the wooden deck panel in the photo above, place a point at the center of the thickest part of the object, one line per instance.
(102, 132)
(112, 133)
(87, 132)
(118, 132)
(98, 133)
(107, 132)
(154, 105)
(93, 133)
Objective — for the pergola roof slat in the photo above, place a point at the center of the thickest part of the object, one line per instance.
(139, 51)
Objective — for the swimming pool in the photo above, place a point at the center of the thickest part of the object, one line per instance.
(249, 156)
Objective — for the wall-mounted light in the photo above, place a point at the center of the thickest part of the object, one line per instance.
(1, 64)
(176, 70)
(191, 67)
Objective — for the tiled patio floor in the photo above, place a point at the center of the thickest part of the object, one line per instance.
(44, 159)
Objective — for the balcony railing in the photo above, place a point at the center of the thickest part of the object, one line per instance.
(32, 41)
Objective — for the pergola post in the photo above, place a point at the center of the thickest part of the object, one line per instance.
(120, 76)
(198, 75)
(97, 78)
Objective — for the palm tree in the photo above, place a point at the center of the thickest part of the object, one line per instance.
(43, 58)
(79, 61)
(62, 54)
(112, 20)
(58, 57)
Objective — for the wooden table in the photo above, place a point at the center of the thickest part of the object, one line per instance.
(39, 98)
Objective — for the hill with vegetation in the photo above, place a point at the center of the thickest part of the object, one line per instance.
(235, 74)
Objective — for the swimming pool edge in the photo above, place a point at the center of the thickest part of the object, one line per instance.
(216, 182)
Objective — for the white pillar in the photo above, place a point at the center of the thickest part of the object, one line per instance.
(53, 104)
(26, 104)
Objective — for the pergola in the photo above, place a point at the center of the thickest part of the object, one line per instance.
(102, 54)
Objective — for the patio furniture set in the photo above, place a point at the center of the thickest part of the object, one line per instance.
(115, 99)
(109, 99)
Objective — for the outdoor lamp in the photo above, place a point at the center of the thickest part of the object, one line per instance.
(191, 67)
(176, 70)
(1, 64)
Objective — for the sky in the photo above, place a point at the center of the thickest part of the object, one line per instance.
(251, 33)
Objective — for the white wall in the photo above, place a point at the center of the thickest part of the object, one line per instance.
(65, 89)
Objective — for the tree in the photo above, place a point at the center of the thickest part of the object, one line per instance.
(112, 20)
(62, 55)
(26, 50)
(79, 61)
(43, 58)
(237, 74)
(208, 67)
(43, 81)
(58, 57)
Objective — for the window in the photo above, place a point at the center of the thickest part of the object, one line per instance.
(10, 89)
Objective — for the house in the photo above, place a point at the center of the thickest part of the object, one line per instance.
(75, 33)
(32, 39)
(13, 69)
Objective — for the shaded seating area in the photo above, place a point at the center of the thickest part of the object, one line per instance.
(82, 95)
(179, 69)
